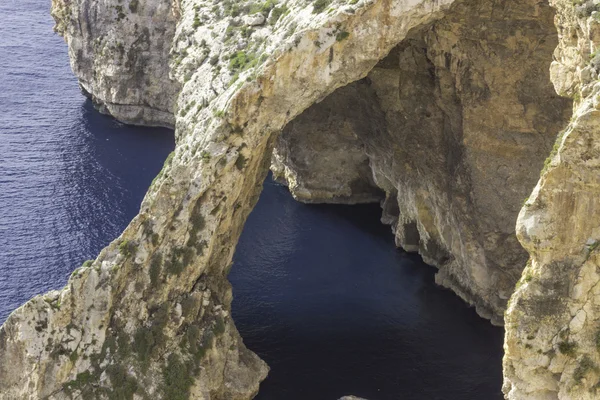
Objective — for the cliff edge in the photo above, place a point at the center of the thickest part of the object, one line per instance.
(443, 110)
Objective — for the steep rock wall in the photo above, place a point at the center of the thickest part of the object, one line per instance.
(552, 345)
(454, 149)
(120, 52)
(151, 315)
(454, 125)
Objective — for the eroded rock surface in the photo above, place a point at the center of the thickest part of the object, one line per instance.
(120, 52)
(449, 118)
(552, 345)
(151, 315)
(454, 126)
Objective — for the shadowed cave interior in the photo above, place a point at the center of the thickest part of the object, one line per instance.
(448, 133)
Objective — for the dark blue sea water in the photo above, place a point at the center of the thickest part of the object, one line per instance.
(320, 291)
(323, 296)
(70, 178)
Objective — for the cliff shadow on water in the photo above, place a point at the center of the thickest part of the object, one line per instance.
(322, 294)
(382, 100)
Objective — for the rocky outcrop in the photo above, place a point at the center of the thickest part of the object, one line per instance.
(120, 52)
(454, 130)
(450, 131)
(441, 107)
(150, 316)
(552, 346)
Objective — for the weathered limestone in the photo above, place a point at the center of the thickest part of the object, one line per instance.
(455, 130)
(320, 155)
(552, 346)
(150, 315)
(450, 116)
(119, 51)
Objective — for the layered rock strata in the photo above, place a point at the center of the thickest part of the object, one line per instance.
(552, 346)
(150, 317)
(454, 125)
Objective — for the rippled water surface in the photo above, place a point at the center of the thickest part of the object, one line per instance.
(321, 293)
(70, 178)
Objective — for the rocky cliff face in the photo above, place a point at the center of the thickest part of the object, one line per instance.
(150, 316)
(120, 52)
(553, 322)
(442, 108)
(454, 130)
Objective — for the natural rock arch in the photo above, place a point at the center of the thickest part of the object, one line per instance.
(151, 314)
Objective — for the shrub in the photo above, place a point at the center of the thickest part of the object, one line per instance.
(240, 162)
(177, 378)
(567, 348)
(124, 385)
(585, 365)
(155, 269)
(320, 5)
(277, 13)
(240, 60)
(342, 36)
(127, 248)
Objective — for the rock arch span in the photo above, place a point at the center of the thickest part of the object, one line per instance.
(150, 316)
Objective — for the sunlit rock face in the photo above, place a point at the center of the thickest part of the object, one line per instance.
(552, 346)
(454, 130)
(444, 109)
(120, 51)
(150, 316)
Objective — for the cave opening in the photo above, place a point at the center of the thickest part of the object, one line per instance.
(448, 133)
(321, 293)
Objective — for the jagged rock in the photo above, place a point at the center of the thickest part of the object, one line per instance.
(254, 19)
(552, 341)
(453, 115)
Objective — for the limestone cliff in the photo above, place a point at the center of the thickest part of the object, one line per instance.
(150, 316)
(120, 52)
(454, 125)
(442, 108)
(552, 347)
(450, 131)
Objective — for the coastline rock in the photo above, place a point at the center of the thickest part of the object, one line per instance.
(552, 345)
(151, 315)
(452, 117)
(120, 53)
(454, 131)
